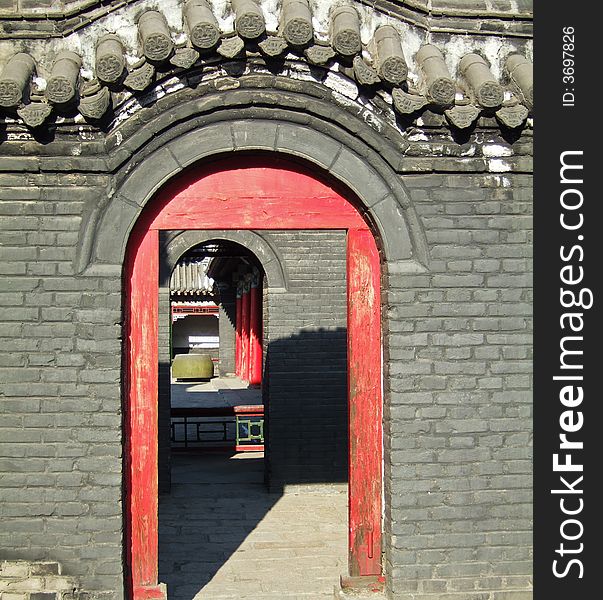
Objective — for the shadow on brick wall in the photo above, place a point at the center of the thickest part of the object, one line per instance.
(305, 394)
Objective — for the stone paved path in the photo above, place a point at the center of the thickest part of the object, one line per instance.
(218, 393)
(223, 536)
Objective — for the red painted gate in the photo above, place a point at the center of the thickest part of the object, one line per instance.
(250, 194)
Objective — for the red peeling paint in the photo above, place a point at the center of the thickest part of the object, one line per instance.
(141, 407)
(249, 194)
(245, 304)
(365, 405)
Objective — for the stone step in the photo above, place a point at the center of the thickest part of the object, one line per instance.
(35, 580)
(360, 588)
(340, 594)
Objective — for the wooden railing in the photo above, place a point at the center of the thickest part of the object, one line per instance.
(239, 428)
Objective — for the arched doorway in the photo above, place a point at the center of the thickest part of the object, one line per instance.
(200, 273)
(251, 194)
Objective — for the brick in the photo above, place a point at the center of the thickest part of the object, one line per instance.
(457, 339)
(458, 367)
(458, 280)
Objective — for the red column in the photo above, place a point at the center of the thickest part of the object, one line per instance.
(245, 333)
(142, 419)
(255, 331)
(365, 404)
(238, 340)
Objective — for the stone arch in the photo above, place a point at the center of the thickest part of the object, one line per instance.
(292, 197)
(254, 241)
(173, 249)
(298, 127)
(345, 153)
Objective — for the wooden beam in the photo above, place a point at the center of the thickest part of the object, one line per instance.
(238, 335)
(365, 404)
(245, 305)
(141, 407)
(250, 196)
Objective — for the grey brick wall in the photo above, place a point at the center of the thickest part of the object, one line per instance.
(226, 324)
(458, 424)
(305, 355)
(164, 375)
(458, 380)
(60, 400)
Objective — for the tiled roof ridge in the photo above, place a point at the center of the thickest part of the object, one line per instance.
(43, 19)
(380, 64)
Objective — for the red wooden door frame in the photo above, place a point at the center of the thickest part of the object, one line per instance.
(250, 194)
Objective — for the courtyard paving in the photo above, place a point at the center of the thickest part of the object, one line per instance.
(219, 392)
(223, 536)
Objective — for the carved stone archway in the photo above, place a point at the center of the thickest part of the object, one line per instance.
(376, 189)
(354, 164)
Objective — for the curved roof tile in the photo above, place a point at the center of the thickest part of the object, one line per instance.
(364, 48)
